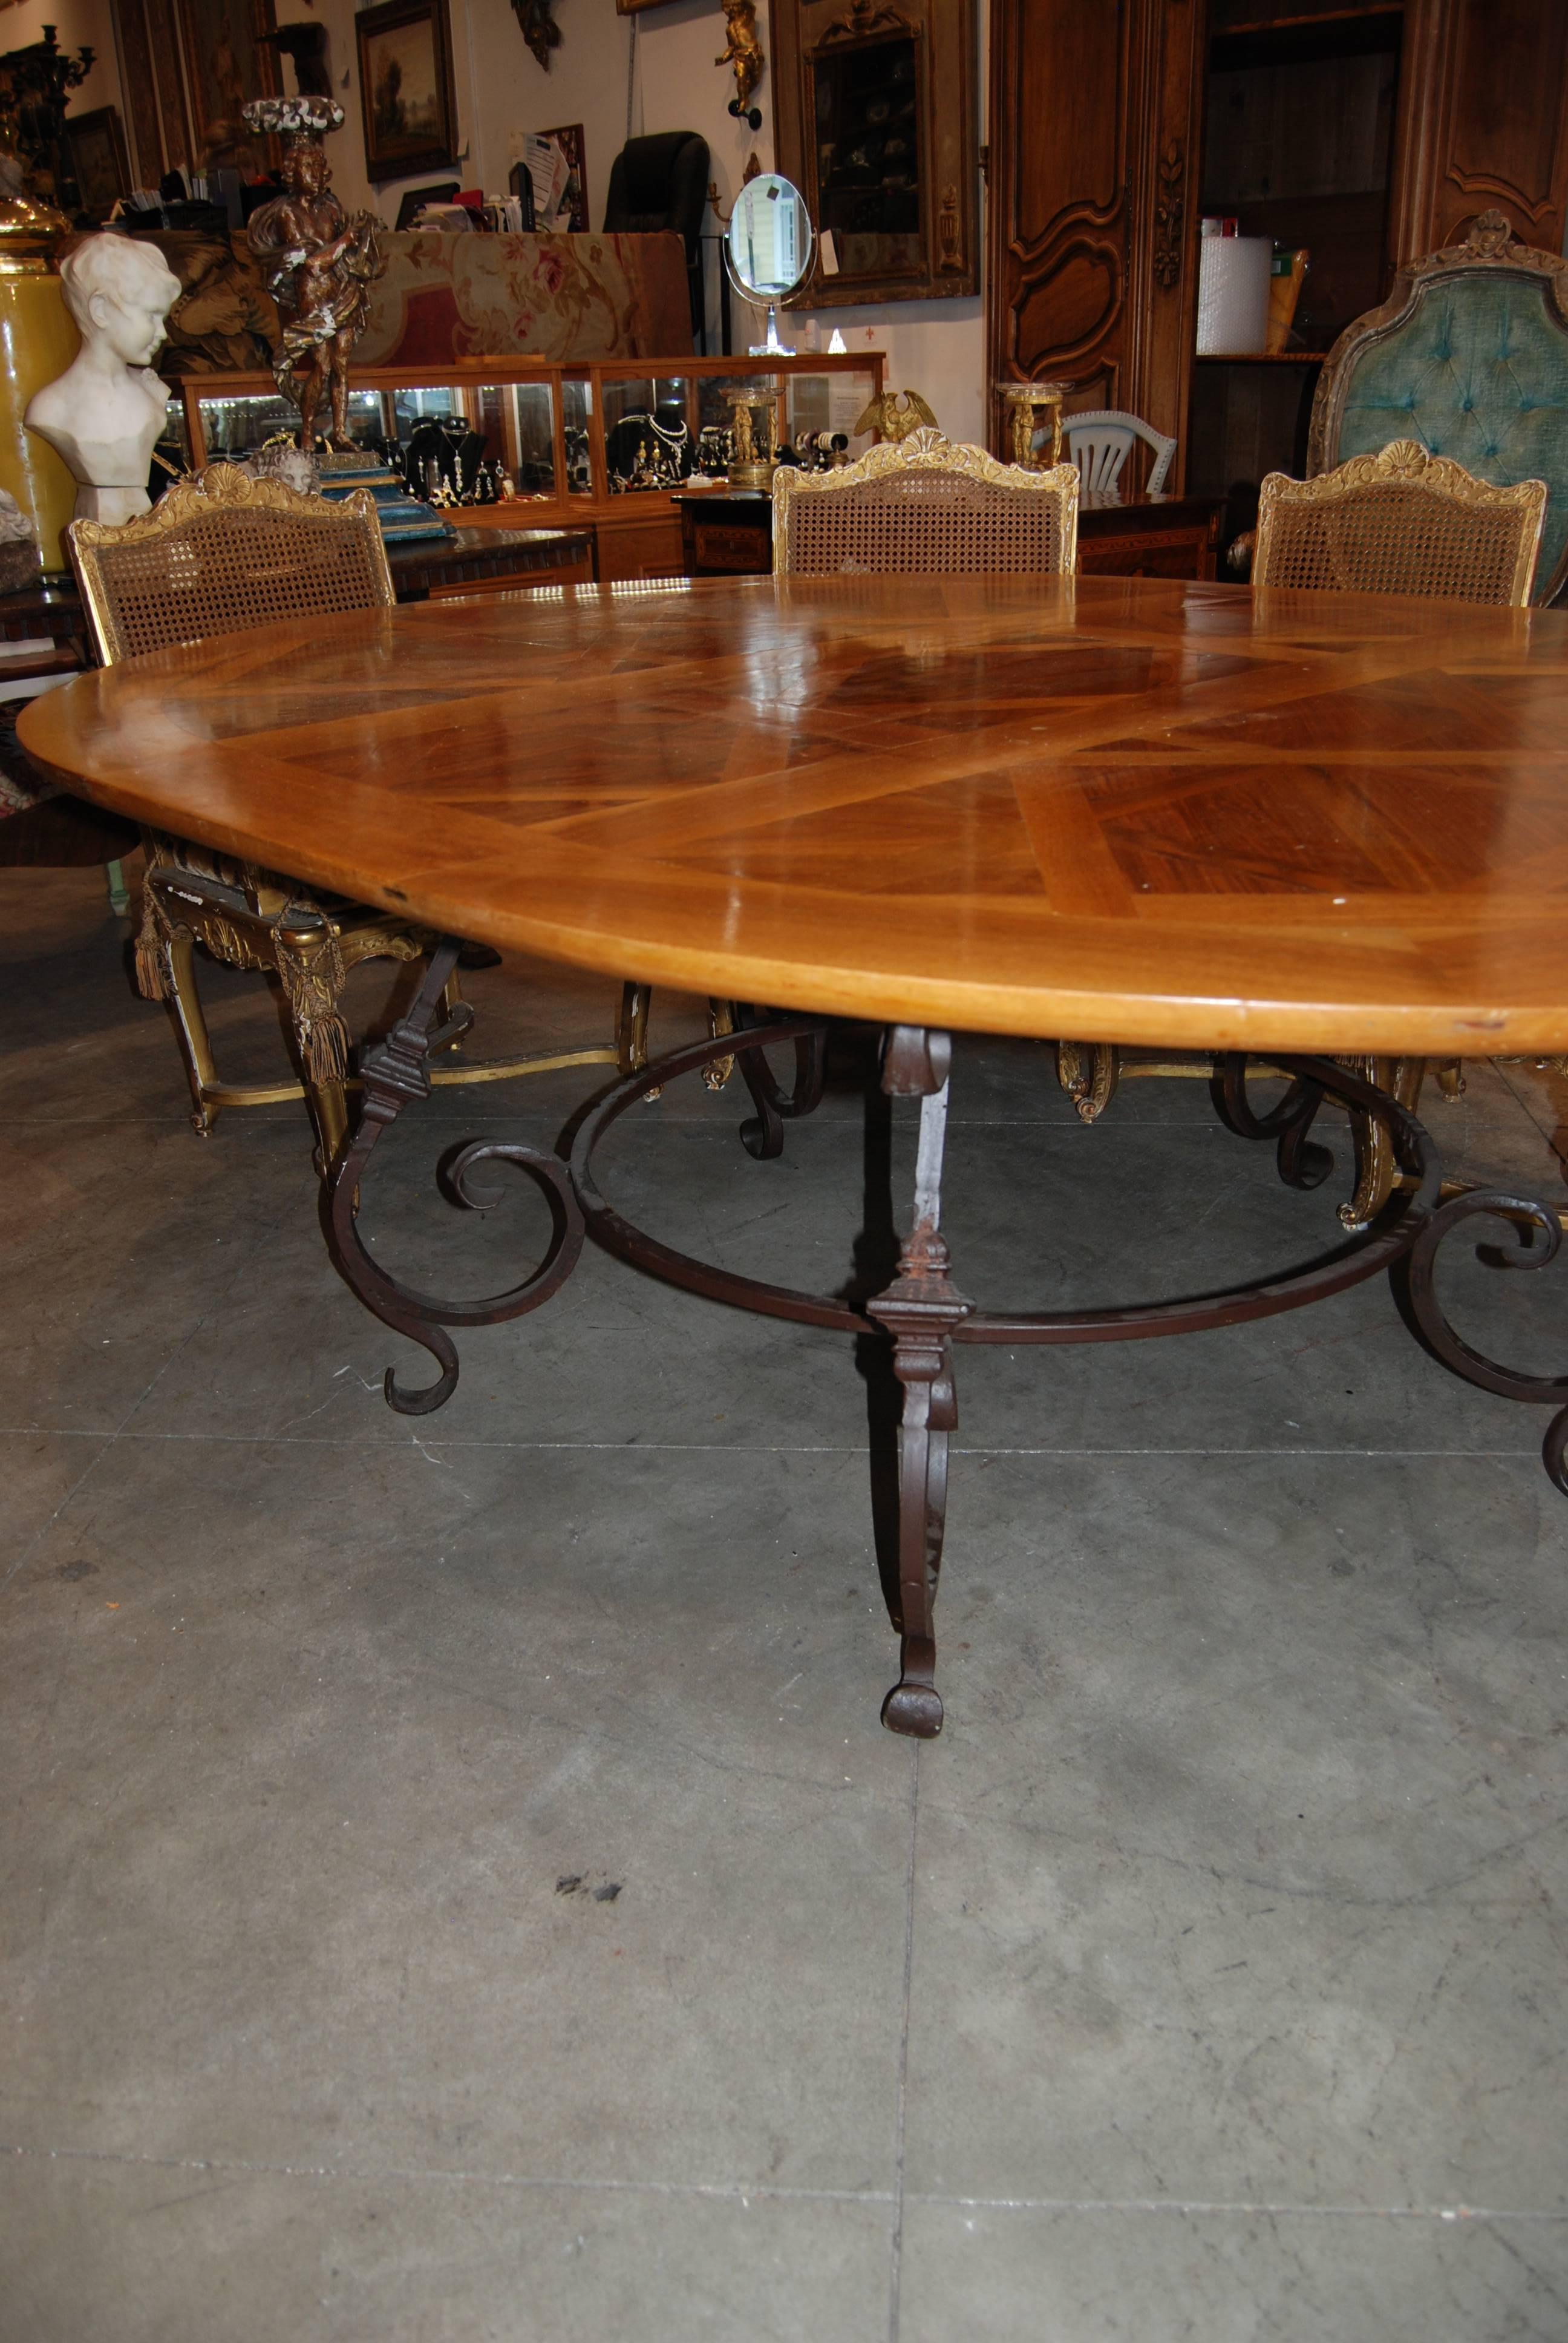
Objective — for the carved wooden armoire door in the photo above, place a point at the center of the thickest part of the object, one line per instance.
(1483, 122)
(1095, 127)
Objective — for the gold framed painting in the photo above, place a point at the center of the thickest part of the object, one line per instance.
(406, 88)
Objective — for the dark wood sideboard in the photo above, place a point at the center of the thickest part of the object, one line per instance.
(729, 532)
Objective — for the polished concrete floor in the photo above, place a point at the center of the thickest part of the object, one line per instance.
(456, 1884)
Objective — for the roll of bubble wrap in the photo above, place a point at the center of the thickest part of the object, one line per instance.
(1233, 293)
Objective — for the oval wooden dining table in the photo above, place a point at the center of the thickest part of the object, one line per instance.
(1139, 811)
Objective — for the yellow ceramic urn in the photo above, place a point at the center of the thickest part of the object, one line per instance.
(37, 343)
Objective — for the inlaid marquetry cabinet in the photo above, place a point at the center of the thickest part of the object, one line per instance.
(1370, 131)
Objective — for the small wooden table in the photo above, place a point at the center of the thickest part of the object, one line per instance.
(1165, 814)
(729, 532)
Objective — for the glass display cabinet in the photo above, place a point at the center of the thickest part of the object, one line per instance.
(511, 443)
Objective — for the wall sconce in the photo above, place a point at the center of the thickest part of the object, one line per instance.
(743, 50)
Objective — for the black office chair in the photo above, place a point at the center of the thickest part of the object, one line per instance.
(416, 199)
(662, 183)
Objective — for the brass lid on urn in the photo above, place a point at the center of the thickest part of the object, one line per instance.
(30, 231)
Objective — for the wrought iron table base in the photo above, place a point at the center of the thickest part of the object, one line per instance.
(922, 1313)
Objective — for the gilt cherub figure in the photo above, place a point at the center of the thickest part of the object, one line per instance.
(742, 50)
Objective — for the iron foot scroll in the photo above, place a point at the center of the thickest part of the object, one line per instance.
(763, 1135)
(1302, 1163)
(392, 1074)
(1524, 1216)
(919, 1311)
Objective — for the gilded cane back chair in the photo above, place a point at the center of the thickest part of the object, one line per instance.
(928, 504)
(1401, 521)
(217, 555)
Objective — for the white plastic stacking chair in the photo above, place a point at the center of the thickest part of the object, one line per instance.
(1100, 443)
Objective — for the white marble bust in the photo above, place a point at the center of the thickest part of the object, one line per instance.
(104, 413)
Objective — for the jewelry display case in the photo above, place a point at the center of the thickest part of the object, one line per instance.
(531, 445)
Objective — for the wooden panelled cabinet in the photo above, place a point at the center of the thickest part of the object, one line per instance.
(1098, 171)
(1095, 119)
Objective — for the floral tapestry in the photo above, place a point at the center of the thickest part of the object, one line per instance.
(448, 297)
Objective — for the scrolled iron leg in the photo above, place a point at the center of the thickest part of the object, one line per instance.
(1302, 1163)
(919, 1311)
(1525, 1218)
(391, 1075)
(762, 1134)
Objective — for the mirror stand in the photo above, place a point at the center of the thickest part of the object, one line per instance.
(772, 347)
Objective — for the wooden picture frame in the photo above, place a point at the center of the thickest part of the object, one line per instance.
(227, 63)
(186, 67)
(875, 121)
(406, 46)
(96, 145)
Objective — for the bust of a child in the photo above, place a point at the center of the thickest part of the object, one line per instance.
(104, 413)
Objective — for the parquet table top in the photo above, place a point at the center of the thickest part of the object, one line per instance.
(1120, 809)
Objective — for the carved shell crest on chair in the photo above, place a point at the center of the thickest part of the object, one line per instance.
(930, 449)
(1405, 459)
(224, 483)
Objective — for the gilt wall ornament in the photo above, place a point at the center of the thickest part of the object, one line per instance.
(540, 30)
(743, 52)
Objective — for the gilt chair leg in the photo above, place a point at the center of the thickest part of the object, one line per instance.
(329, 1111)
(1089, 1073)
(451, 1002)
(1377, 1165)
(720, 1020)
(311, 965)
(190, 1025)
(631, 1028)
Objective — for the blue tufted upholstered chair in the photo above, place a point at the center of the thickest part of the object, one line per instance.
(1468, 355)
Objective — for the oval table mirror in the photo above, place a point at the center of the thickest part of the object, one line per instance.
(768, 250)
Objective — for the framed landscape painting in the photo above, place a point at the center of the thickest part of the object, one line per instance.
(406, 88)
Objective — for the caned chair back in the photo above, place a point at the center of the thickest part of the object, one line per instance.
(225, 552)
(1100, 444)
(925, 504)
(1400, 522)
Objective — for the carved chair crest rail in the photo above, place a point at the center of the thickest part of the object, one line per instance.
(927, 504)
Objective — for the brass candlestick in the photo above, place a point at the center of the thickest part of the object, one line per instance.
(1023, 402)
(756, 452)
